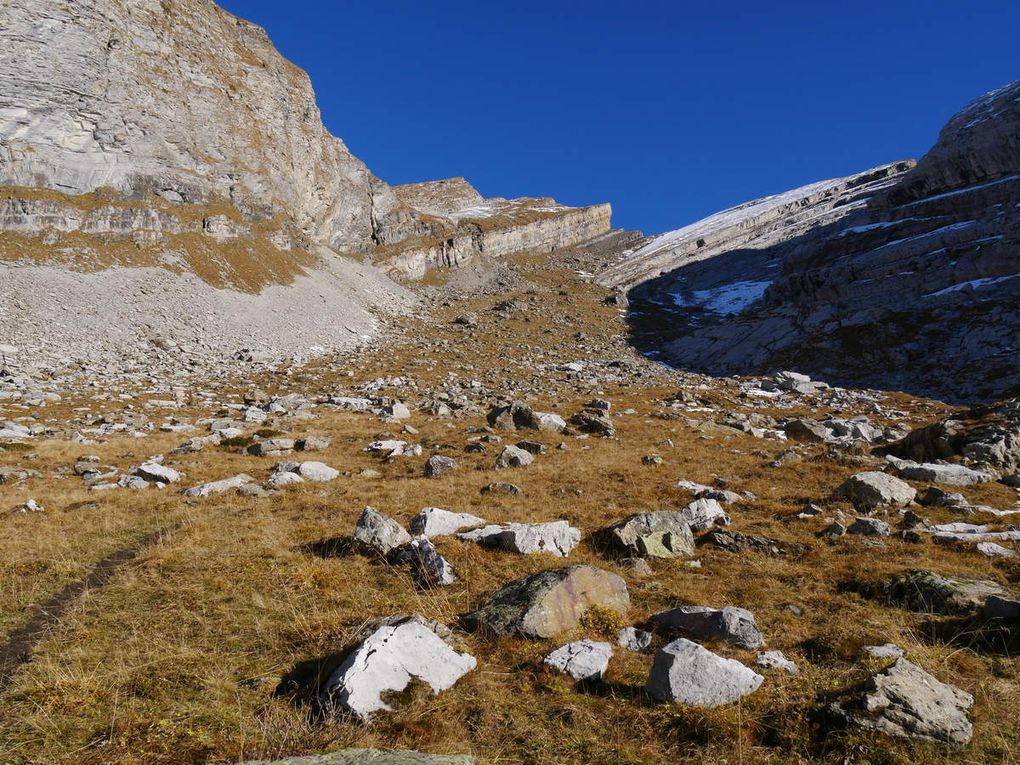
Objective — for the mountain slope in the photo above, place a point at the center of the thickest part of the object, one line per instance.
(911, 282)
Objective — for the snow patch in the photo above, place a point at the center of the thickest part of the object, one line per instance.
(973, 284)
(726, 300)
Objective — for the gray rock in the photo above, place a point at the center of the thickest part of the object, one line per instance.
(157, 473)
(438, 465)
(378, 533)
(313, 443)
(664, 534)
(387, 661)
(776, 660)
(735, 626)
(869, 527)
(807, 431)
(992, 550)
(271, 447)
(317, 471)
(428, 567)
(436, 522)
(885, 651)
(633, 639)
(944, 473)
(514, 457)
(688, 673)
(705, 513)
(550, 602)
(396, 411)
(501, 487)
(906, 701)
(219, 487)
(582, 660)
(870, 490)
(556, 537)
(941, 594)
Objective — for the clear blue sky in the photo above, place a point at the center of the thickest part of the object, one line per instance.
(669, 110)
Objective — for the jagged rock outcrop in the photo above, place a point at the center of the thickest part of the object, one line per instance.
(899, 278)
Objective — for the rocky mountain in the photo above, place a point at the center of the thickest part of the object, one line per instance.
(901, 277)
(165, 174)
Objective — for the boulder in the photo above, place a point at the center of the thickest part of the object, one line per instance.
(438, 465)
(806, 431)
(556, 537)
(906, 701)
(317, 471)
(704, 513)
(735, 626)
(663, 534)
(396, 411)
(428, 567)
(869, 527)
(154, 472)
(313, 443)
(944, 473)
(218, 487)
(271, 447)
(941, 594)
(386, 662)
(594, 421)
(550, 602)
(688, 673)
(866, 491)
(582, 660)
(436, 522)
(378, 533)
(514, 457)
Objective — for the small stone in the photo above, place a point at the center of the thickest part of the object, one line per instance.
(502, 488)
(633, 639)
(869, 527)
(582, 660)
(885, 651)
(317, 471)
(776, 660)
(438, 465)
(156, 473)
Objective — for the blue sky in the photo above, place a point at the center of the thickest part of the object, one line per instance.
(669, 110)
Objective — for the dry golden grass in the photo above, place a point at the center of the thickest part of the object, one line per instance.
(150, 668)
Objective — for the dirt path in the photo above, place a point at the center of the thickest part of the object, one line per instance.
(18, 649)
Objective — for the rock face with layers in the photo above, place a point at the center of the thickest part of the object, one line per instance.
(161, 158)
(834, 279)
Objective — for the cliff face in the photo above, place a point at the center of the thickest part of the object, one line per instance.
(910, 281)
(459, 225)
(179, 99)
(168, 142)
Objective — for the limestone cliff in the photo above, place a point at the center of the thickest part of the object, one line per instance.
(910, 280)
(167, 141)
